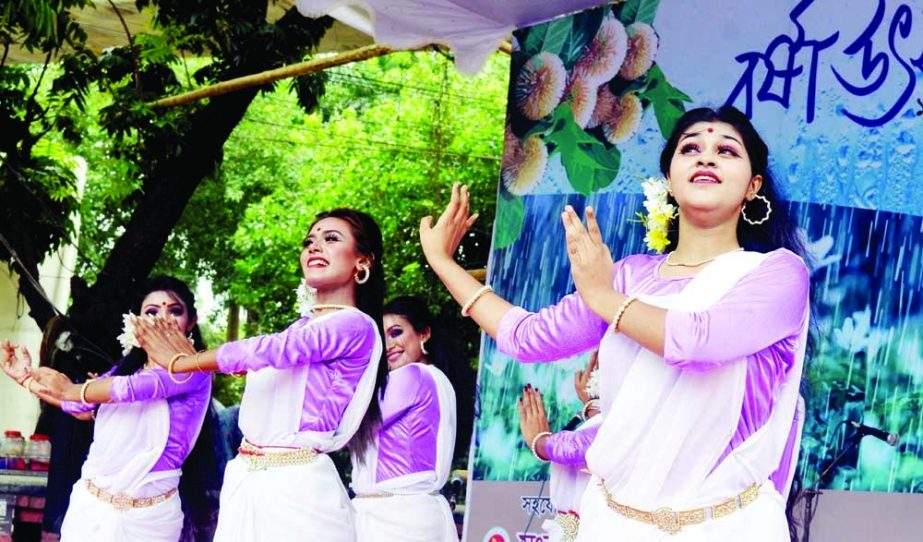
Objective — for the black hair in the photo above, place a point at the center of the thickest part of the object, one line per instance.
(200, 482)
(781, 230)
(370, 297)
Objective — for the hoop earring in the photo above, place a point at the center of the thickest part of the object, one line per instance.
(423, 348)
(365, 277)
(743, 211)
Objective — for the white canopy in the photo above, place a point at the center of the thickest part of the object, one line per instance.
(473, 29)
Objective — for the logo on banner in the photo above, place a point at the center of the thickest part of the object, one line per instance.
(497, 534)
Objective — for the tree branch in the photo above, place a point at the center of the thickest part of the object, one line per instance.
(131, 46)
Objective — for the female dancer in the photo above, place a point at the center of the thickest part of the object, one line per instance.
(146, 426)
(565, 450)
(308, 391)
(700, 350)
(398, 479)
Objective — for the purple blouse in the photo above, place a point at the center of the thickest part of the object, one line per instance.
(569, 447)
(187, 403)
(339, 348)
(410, 423)
(760, 318)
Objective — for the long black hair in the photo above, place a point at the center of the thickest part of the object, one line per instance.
(370, 297)
(781, 230)
(200, 482)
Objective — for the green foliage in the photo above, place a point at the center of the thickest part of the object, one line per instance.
(391, 136)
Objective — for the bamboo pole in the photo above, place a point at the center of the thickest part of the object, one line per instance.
(270, 76)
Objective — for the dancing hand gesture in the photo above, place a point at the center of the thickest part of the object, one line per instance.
(53, 383)
(532, 417)
(15, 361)
(440, 241)
(161, 339)
(591, 262)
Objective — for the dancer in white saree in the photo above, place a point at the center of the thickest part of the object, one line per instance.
(399, 479)
(146, 426)
(700, 350)
(308, 391)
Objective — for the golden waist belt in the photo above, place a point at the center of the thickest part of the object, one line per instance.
(258, 458)
(672, 521)
(122, 501)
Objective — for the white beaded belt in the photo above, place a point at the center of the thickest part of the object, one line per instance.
(569, 523)
(672, 521)
(122, 501)
(386, 494)
(258, 458)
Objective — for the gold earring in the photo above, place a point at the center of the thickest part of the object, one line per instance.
(366, 274)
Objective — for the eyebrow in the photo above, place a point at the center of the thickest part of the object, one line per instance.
(169, 305)
(314, 234)
(392, 326)
(687, 135)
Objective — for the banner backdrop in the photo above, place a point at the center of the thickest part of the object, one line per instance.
(834, 87)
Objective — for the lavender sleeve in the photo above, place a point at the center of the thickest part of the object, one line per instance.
(559, 331)
(76, 407)
(766, 306)
(569, 447)
(400, 394)
(153, 384)
(340, 336)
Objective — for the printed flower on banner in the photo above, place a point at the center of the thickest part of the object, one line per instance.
(623, 120)
(603, 57)
(642, 48)
(660, 214)
(540, 85)
(582, 99)
(523, 164)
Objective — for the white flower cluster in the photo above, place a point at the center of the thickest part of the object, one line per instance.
(592, 385)
(306, 299)
(659, 214)
(127, 339)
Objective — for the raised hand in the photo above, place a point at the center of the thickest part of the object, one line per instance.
(52, 383)
(15, 361)
(161, 339)
(582, 378)
(440, 241)
(591, 261)
(532, 417)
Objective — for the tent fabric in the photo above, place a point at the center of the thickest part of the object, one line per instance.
(473, 29)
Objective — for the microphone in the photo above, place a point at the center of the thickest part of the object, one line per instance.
(891, 438)
(455, 486)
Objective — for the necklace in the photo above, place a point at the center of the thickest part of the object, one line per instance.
(696, 264)
(333, 306)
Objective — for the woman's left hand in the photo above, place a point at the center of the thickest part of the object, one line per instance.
(52, 383)
(591, 261)
(532, 417)
(161, 339)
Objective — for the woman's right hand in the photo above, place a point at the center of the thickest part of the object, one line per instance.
(161, 339)
(440, 241)
(15, 360)
(532, 417)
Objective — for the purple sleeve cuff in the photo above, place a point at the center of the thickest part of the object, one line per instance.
(560, 331)
(154, 383)
(569, 447)
(76, 407)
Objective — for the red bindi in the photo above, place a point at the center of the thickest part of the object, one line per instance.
(710, 129)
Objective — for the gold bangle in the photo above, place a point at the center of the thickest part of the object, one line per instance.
(534, 444)
(83, 392)
(170, 373)
(618, 314)
(474, 299)
(591, 404)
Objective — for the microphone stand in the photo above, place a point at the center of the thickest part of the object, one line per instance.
(811, 495)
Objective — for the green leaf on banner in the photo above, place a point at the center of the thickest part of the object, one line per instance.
(511, 214)
(589, 165)
(666, 100)
(556, 34)
(642, 11)
(647, 11)
(584, 28)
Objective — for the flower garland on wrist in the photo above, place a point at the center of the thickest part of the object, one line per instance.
(660, 214)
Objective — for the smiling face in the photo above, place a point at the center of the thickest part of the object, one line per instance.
(403, 341)
(168, 305)
(329, 259)
(710, 171)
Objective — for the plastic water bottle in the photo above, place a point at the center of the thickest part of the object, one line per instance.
(13, 450)
(38, 452)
